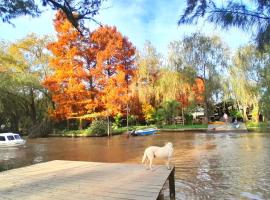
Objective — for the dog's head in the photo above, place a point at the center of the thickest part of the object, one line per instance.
(169, 144)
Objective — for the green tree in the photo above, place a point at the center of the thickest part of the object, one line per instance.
(245, 79)
(204, 57)
(23, 64)
(247, 15)
(149, 65)
(171, 110)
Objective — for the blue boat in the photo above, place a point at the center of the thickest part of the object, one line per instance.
(142, 132)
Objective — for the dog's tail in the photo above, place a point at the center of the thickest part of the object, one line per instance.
(144, 157)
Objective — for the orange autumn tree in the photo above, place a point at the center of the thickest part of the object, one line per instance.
(66, 84)
(114, 69)
(192, 93)
(90, 74)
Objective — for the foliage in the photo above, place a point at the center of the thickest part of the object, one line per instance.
(114, 57)
(203, 57)
(167, 112)
(98, 127)
(90, 74)
(264, 106)
(15, 8)
(23, 64)
(180, 126)
(160, 117)
(148, 73)
(148, 111)
(188, 118)
(236, 114)
(65, 83)
(117, 121)
(250, 124)
(132, 119)
(249, 15)
(244, 78)
(171, 109)
(75, 10)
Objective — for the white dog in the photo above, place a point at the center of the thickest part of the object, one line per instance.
(165, 152)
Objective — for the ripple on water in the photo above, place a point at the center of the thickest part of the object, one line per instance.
(208, 166)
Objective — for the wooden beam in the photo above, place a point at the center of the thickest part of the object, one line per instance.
(172, 184)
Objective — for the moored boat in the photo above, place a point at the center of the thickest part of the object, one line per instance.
(11, 139)
(142, 132)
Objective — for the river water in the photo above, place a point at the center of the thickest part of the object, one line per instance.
(208, 166)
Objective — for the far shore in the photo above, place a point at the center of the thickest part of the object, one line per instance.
(171, 128)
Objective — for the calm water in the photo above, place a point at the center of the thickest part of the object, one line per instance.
(208, 166)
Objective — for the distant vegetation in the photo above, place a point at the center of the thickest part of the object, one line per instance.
(67, 83)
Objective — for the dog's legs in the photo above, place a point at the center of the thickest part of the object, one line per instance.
(168, 163)
(146, 163)
(150, 163)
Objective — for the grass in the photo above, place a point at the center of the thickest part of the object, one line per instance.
(258, 126)
(120, 130)
(179, 126)
(87, 133)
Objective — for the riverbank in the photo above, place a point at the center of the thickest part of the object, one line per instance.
(121, 130)
(251, 127)
(262, 127)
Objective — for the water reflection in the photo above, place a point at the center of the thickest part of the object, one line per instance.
(208, 166)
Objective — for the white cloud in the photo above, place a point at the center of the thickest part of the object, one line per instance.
(139, 20)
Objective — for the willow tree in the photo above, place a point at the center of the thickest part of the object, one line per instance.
(248, 15)
(246, 75)
(23, 64)
(204, 57)
(265, 88)
(149, 64)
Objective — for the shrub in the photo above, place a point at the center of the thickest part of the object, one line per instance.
(160, 117)
(188, 118)
(98, 127)
(117, 121)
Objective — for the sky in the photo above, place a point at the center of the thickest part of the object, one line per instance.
(139, 20)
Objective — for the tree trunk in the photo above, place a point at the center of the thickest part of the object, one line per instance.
(127, 117)
(67, 124)
(108, 130)
(80, 124)
(255, 113)
(33, 107)
(183, 118)
(205, 96)
(245, 113)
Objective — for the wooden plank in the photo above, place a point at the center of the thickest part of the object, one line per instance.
(61, 180)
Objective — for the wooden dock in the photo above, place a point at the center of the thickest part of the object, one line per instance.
(74, 180)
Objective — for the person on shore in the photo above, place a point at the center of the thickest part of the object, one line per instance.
(225, 116)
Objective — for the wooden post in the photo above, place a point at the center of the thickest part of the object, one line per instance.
(80, 124)
(172, 184)
(161, 196)
(67, 124)
(108, 127)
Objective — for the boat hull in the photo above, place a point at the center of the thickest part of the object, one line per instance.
(144, 132)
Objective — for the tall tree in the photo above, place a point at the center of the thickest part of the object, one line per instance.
(90, 74)
(75, 10)
(204, 57)
(23, 65)
(71, 64)
(247, 15)
(149, 64)
(114, 68)
(246, 79)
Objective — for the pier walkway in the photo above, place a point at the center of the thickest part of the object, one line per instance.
(76, 180)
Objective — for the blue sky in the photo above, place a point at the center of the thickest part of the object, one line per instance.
(139, 20)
